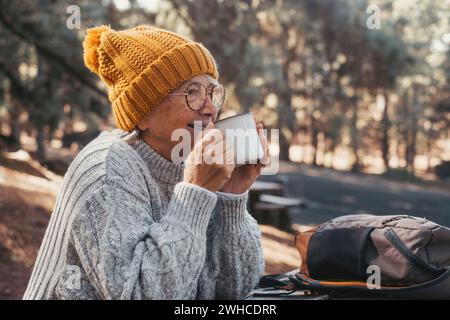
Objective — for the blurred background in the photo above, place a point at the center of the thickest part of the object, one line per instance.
(359, 90)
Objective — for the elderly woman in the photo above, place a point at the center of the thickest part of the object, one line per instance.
(130, 223)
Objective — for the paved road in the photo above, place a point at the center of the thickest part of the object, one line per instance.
(330, 194)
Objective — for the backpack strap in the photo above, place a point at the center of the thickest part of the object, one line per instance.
(401, 247)
(274, 281)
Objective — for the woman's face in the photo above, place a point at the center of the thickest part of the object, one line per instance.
(173, 113)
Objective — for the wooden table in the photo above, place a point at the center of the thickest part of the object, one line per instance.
(262, 187)
(268, 213)
(267, 187)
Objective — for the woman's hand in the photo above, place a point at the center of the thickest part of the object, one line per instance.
(201, 169)
(244, 176)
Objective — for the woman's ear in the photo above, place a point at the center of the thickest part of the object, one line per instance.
(143, 124)
(146, 122)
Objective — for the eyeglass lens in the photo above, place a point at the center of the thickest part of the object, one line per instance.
(196, 96)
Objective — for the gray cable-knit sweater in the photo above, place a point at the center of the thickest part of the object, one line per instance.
(125, 226)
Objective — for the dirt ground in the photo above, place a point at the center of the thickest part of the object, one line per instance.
(27, 195)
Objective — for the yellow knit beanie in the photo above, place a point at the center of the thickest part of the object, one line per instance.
(141, 66)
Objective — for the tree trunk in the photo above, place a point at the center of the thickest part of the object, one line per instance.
(285, 122)
(356, 167)
(412, 134)
(411, 150)
(314, 138)
(429, 143)
(284, 147)
(385, 125)
(15, 132)
(332, 150)
(404, 126)
(286, 116)
(40, 140)
(13, 114)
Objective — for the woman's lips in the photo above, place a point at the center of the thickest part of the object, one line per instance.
(203, 125)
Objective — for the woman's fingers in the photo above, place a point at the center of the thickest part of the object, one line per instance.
(265, 161)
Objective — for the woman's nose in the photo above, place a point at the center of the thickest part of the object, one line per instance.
(209, 108)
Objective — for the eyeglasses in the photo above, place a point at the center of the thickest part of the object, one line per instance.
(196, 95)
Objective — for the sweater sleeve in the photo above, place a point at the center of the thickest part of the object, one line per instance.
(234, 258)
(129, 254)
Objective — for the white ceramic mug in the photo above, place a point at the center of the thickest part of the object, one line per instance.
(240, 130)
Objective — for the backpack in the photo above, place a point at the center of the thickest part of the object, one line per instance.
(395, 256)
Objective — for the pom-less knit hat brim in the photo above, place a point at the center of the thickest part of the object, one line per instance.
(139, 80)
